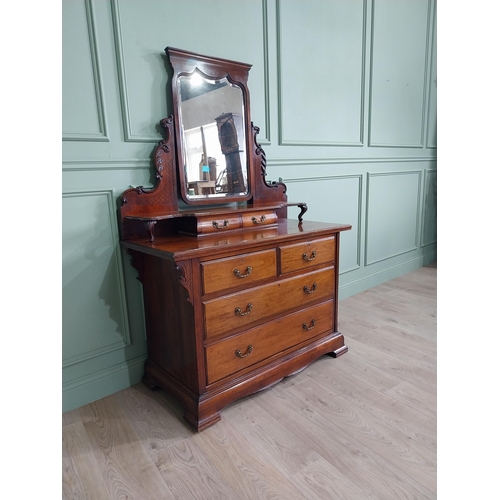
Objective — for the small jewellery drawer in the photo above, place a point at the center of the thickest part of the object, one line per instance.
(236, 311)
(307, 254)
(245, 269)
(236, 353)
(256, 219)
(213, 224)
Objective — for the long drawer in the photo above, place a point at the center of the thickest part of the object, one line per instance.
(234, 354)
(234, 312)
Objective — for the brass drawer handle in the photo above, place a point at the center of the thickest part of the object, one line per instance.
(310, 327)
(310, 290)
(238, 311)
(238, 274)
(224, 224)
(307, 258)
(256, 221)
(249, 351)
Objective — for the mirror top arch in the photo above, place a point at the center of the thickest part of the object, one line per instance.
(184, 61)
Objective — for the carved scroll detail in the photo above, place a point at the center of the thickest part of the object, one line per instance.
(184, 271)
(263, 162)
(164, 194)
(137, 263)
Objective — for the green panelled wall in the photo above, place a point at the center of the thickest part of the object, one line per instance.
(344, 93)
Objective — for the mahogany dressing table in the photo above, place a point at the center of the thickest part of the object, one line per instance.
(237, 296)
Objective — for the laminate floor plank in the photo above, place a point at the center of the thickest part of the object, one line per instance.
(321, 480)
(356, 367)
(356, 324)
(281, 447)
(423, 302)
(362, 426)
(375, 475)
(411, 311)
(71, 417)
(246, 471)
(396, 447)
(420, 279)
(389, 343)
(391, 411)
(127, 469)
(81, 474)
(403, 318)
(157, 424)
(403, 340)
(372, 295)
(419, 399)
(190, 475)
(417, 375)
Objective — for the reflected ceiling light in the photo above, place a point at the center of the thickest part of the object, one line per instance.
(196, 80)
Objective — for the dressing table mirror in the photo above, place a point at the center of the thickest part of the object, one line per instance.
(212, 124)
(237, 296)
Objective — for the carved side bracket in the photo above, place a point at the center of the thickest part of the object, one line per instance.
(162, 198)
(185, 277)
(137, 263)
(263, 162)
(263, 191)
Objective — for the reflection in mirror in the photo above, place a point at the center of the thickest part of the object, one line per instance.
(213, 137)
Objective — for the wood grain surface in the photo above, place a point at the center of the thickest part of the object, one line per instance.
(359, 427)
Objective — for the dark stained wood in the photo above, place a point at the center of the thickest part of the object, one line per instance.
(338, 429)
(183, 63)
(238, 297)
(265, 192)
(163, 198)
(271, 300)
(216, 245)
(239, 271)
(306, 255)
(267, 340)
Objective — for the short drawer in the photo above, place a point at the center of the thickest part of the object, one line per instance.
(257, 344)
(246, 269)
(212, 224)
(307, 254)
(257, 219)
(236, 311)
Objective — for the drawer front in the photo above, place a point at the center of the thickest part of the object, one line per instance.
(238, 310)
(218, 224)
(307, 254)
(246, 349)
(228, 273)
(257, 219)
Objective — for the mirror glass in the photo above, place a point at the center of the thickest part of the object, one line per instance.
(213, 136)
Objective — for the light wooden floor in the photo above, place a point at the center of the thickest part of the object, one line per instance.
(362, 426)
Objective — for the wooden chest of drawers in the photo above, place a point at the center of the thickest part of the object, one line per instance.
(229, 315)
(237, 296)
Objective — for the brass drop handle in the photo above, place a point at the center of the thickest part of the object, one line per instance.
(224, 224)
(310, 327)
(239, 312)
(256, 221)
(310, 290)
(307, 258)
(249, 351)
(248, 272)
